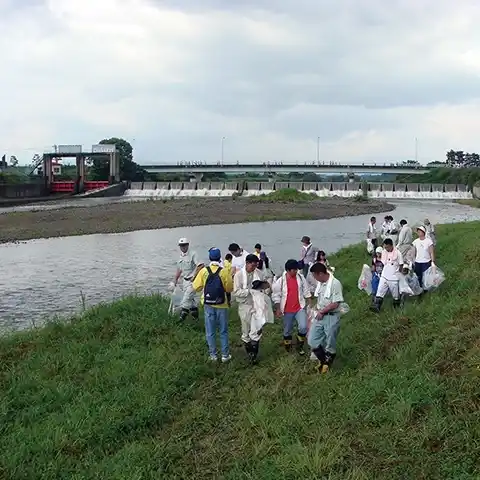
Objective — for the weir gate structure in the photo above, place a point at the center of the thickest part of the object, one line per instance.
(322, 189)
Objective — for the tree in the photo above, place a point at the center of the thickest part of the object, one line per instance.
(460, 159)
(129, 170)
(13, 161)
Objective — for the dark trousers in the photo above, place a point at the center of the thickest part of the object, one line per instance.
(420, 269)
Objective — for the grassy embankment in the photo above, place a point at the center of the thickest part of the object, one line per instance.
(465, 176)
(471, 202)
(125, 393)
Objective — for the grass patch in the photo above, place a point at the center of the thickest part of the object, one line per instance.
(471, 202)
(123, 392)
(285, 195)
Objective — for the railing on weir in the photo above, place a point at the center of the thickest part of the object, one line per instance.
(69, 186)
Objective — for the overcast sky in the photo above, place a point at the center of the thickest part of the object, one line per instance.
(271, 76)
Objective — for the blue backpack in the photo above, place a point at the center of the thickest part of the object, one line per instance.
(213, 292)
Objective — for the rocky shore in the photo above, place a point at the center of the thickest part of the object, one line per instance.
(147, 215)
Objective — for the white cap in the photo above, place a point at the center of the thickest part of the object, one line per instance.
(422, 228)
(379, 250)
(183, 241)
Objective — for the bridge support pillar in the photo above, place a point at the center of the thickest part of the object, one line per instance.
(198, 177)
(80, 160)
(114, 168)
(47, 171)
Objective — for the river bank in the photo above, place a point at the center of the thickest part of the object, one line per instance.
(124, 392)
(147, 215)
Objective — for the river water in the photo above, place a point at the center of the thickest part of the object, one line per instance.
(43, 278)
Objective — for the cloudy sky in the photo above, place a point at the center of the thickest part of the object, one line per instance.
(271, 76)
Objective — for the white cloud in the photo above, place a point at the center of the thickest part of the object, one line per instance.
(174, 78)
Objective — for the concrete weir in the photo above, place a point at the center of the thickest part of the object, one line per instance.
(322, 189)
(267, 187)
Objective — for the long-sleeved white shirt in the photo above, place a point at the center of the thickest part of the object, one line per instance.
(279, 291)
(405, 236)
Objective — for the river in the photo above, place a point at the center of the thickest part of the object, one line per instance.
(43, 278)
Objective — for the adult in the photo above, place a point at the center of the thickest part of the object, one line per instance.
(372, 233)
(188, 265)
(324, 329)
(389, 228)
(308, 255)
(424, 253)
(239, 256)
(389, 279)
(243, 283)
(430, 231)
(404, 242)
(288, 295)
(215, 282)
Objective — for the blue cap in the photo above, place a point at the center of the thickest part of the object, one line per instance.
(214, 254)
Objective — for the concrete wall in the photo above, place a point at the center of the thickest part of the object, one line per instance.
(387, 187)
(352, 186)
(310, 186)
(267, 186)
(425, 187)
(217, 185)
(296, 185)
(450, 188)
(203, 186)
(412, 187)
(437, 187)
(176, 185)
(231, 186)
(116, 190)
(400, 187)
(149, 185)
(280, 185)
(476, 191)
(162, 185)
(338, 186)
(253, 186)
(461, 188)
(136, 185)
(23, 190)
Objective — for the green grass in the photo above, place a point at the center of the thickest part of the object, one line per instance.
(123, 392)
(471, 202)
(285, 195)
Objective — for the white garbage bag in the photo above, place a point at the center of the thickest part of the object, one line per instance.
(365, 280)
(263, 311)
(433, 278)
(404, 286)
(310, 316)
(414, 284)
(175, 300)
(369, 245)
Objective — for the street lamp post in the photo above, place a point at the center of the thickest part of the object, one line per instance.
(416, 150)
(223, 141)
(318, 150)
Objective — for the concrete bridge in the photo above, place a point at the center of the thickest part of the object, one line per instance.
(322, 189)
(266, 168)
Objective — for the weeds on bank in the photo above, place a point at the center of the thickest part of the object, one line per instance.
(124, 392)
(471, 202)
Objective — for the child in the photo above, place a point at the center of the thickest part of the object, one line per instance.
(227, 265)
(377, 268)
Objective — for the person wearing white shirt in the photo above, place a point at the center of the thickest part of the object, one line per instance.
(372, 233)
(430, 231)
(389, 280)
(424, 253)
(239, 257)
(322, 336)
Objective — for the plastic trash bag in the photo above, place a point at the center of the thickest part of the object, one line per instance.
(403, 286)
(263, 311)
(369, 245)
(343, 308)
(365, 280)
(414, 284)
(433, 278)
(175, 301)
(310, 316)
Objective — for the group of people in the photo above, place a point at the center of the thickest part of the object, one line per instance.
(306, 296)
(399, 258)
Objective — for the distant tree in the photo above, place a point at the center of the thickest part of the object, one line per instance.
(13, 161)
(461, 159)
(129, 170)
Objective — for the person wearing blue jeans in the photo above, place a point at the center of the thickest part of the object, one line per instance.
(325, 327)
(216, 318)
(215, 282)
(288, 295)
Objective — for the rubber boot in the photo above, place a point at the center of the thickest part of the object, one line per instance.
(194, 313)
(301, 344)
(248, 349)
(287, 343)
(254, 355)
(396, 303)
(320, 354)
(329, 358)
(377, 305)
(184, 314)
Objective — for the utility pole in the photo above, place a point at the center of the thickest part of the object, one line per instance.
(223, 141)
(318, 151)
(416, 150)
